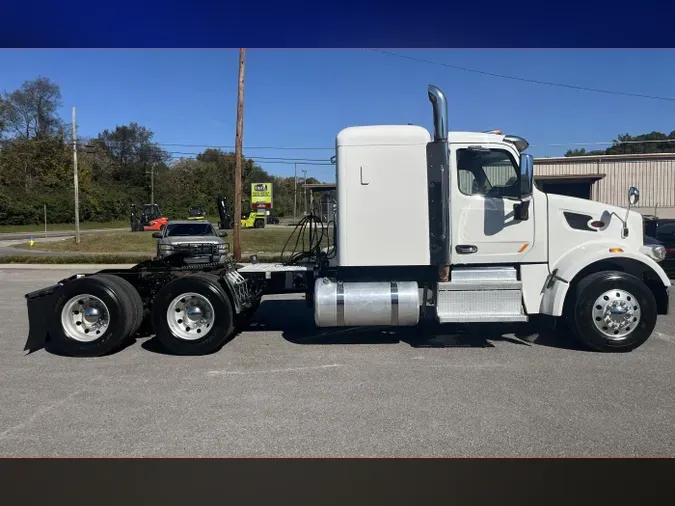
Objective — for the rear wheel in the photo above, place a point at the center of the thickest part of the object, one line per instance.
(193, 315)
(259, 223)
(613, 312)
(133, 297)
(92, 316)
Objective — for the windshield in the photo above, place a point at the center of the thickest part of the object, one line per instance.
(187, 229)
(196, 211)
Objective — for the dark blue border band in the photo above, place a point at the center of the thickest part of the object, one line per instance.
(345, 24)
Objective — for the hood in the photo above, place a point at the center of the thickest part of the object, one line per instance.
(612, 217)
(581, 223)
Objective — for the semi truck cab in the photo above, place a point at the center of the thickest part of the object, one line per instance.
(471, 240)
(503, 250)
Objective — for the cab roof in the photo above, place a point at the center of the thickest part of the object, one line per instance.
(406, 135)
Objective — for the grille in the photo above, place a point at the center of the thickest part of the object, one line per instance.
(197, 249)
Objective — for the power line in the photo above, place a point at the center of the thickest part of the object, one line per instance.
(88, 147)
(263, 158)
(523, 79)
(279, 162)
(613, 143)
(209, 156)
(555, 144)
(206, 146)
(211, 146)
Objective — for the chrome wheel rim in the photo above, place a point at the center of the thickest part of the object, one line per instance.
(190, 316)
(616, 313)
(85, 318)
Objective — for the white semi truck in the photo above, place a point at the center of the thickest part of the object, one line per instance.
(473, 241)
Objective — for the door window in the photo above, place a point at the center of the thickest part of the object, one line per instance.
(488, 172)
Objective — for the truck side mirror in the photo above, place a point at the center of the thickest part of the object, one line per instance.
(526, 175)
(157, 235)
(521, 211)
(633, 198)
(633, 195)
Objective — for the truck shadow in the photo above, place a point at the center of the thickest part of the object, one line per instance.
(295, 320)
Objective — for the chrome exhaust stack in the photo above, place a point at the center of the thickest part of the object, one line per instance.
(438, 179)
(440, 108)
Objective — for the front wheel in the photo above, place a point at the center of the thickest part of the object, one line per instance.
(613, 312)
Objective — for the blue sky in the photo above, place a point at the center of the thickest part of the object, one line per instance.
(303, 98)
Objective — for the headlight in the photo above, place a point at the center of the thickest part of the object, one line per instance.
(165, 247)
(655, 252)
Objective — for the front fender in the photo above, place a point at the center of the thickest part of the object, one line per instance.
(570, 264)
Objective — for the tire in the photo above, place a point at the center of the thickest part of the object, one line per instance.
(259, 223)
(602, 331)
(215, 306)
(133, 297)
(110, 297)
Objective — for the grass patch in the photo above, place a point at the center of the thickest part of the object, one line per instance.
(107, 242)
(39, 229)
(73, 259)
(266, 243)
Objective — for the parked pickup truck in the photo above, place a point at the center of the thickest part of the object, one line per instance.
(662, 230)
(198, 242)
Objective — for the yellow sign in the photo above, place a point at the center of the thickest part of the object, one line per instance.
(261, 195)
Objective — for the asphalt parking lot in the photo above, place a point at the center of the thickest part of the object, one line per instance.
(285, 388)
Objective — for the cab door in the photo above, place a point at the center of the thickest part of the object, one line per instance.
(485, 187)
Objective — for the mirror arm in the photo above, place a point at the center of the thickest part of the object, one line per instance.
(633, 194)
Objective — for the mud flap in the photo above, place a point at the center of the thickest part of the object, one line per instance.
(40, 303)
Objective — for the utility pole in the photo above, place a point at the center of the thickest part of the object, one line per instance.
(237, 157)
(152, 184)
(304, 193)
(295, 192)
(76, 183)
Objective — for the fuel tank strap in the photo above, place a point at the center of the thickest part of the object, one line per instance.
(394, 303)
(340, 301)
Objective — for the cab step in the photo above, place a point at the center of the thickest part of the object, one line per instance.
(480, 294)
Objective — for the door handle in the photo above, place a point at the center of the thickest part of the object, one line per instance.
(464, 249)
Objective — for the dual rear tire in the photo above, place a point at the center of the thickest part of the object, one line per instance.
(193, 315)
(96, 315)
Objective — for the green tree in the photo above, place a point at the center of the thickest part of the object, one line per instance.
(583, 152)
(126, 155)
(36, 163)
(31, 111)
(627, 144)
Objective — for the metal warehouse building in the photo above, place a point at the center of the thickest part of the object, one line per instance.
(606, 178)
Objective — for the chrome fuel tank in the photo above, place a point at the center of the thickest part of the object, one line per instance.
(385, 303)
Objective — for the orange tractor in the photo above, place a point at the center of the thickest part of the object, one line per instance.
(147, 218)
